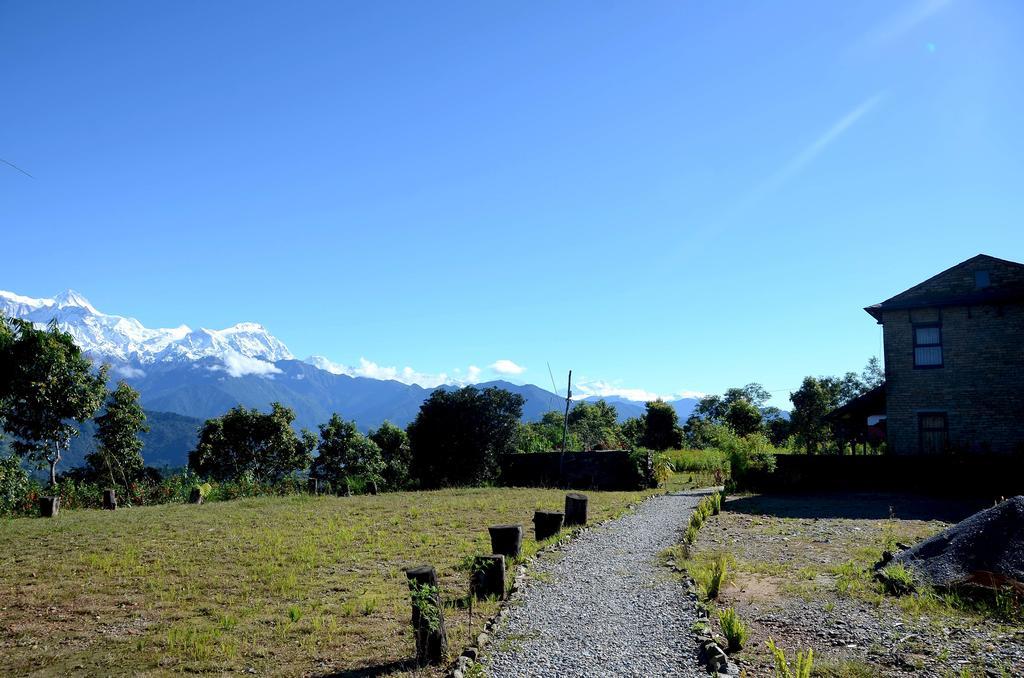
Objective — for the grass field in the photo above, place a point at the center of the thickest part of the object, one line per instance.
(285, 586)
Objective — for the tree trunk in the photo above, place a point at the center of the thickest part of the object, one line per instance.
(575, 509)
(488, 578)
(109, 499)
(49, 507)
(427, 616)
(54, 460)
(547, 524)
(506, 540)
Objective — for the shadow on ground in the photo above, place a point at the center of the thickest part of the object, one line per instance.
(856, 506)
(406, 665)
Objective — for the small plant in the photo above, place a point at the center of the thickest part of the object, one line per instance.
(424, 599)
(897, 580)
(733, 628)
(691, 534)
(716, 503)
(718, 574)
(696, 520)
(294, 613)
(802, 668)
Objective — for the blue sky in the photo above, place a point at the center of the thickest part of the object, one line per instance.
(667, 196)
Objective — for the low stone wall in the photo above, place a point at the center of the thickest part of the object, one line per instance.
(601, 470)
(987, 476)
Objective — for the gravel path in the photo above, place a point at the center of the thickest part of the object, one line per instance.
(603, 606)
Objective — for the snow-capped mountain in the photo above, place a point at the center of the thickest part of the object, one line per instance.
(115, 337)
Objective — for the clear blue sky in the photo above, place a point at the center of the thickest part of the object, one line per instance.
(669, 196)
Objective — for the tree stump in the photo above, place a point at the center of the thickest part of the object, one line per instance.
(427, 616)
(49, 507)
(109, 499)
(547, 524)
(196, 497)
(488, 578)
(506, 540)
(313, 486)
(575, 509)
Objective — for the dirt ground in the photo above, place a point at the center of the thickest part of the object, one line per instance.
(800, 575)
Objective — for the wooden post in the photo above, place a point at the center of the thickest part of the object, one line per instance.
(488, 576)
(49, 507)
(109, 499)
(547, 524)
(427, 616)
(506, 540)
(575, 509)
(196, 497)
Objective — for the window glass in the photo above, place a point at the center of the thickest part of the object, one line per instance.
(927, 335)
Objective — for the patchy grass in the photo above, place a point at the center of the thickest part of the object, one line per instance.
(284, 586)
(801, 573)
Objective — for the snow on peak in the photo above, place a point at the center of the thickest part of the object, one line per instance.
(70, 299)
(126, 339)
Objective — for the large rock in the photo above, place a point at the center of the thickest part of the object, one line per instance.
(986, 549)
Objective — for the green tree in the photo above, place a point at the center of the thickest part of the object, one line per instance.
(873, 375)
(816, 397)
(118, 429)
(753, 393)
(743, 417)
(595, 425)
(48, 386)
(249, 442)
(460, 436)
(661, 427)
(633, 430)
(344, 455)
(397, 455)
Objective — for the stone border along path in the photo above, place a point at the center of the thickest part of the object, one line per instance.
(603, 605)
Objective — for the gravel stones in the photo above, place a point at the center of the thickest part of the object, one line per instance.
(603, 606)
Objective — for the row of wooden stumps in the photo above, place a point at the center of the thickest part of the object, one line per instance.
(488, 576)
(49, 507)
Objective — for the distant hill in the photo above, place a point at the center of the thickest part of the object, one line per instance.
(170, 438)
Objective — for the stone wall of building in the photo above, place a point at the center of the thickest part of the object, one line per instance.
(980, 386)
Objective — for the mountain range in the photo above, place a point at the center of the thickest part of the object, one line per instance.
(199, 374)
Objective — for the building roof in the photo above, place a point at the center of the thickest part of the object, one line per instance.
(956, 287)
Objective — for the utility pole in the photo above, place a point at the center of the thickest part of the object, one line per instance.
(565, 423)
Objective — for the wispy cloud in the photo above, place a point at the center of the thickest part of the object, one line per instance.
(897, 26)
(506, 367)
(238, 365)
(405, 375)
(817, 147)
(586, 388)
(128, 372)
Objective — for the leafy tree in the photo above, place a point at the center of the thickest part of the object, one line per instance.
(118, 429)
(661, 427)
(459, 436)
(743, 417)
(595, 425)
(246, 441)
(753, 393)
(776, 427)
(46, 385)
(710, 408)
(633, 430)
(873, 375)
(545, 435)
(397, 455)
(816, 397)
(344, 454)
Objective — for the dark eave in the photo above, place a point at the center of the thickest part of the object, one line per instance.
(992, 295)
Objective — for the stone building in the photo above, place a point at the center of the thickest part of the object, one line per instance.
(954, 361)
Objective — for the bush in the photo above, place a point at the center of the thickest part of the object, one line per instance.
(18, 491)
(734, 630)
(748, 456)
(897, 580)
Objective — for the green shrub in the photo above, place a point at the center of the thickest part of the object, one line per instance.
(734, 630)
(718, 576)
(803, 667)
(691, 534)
(18, 491)
(897, 579)
(716, 503)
